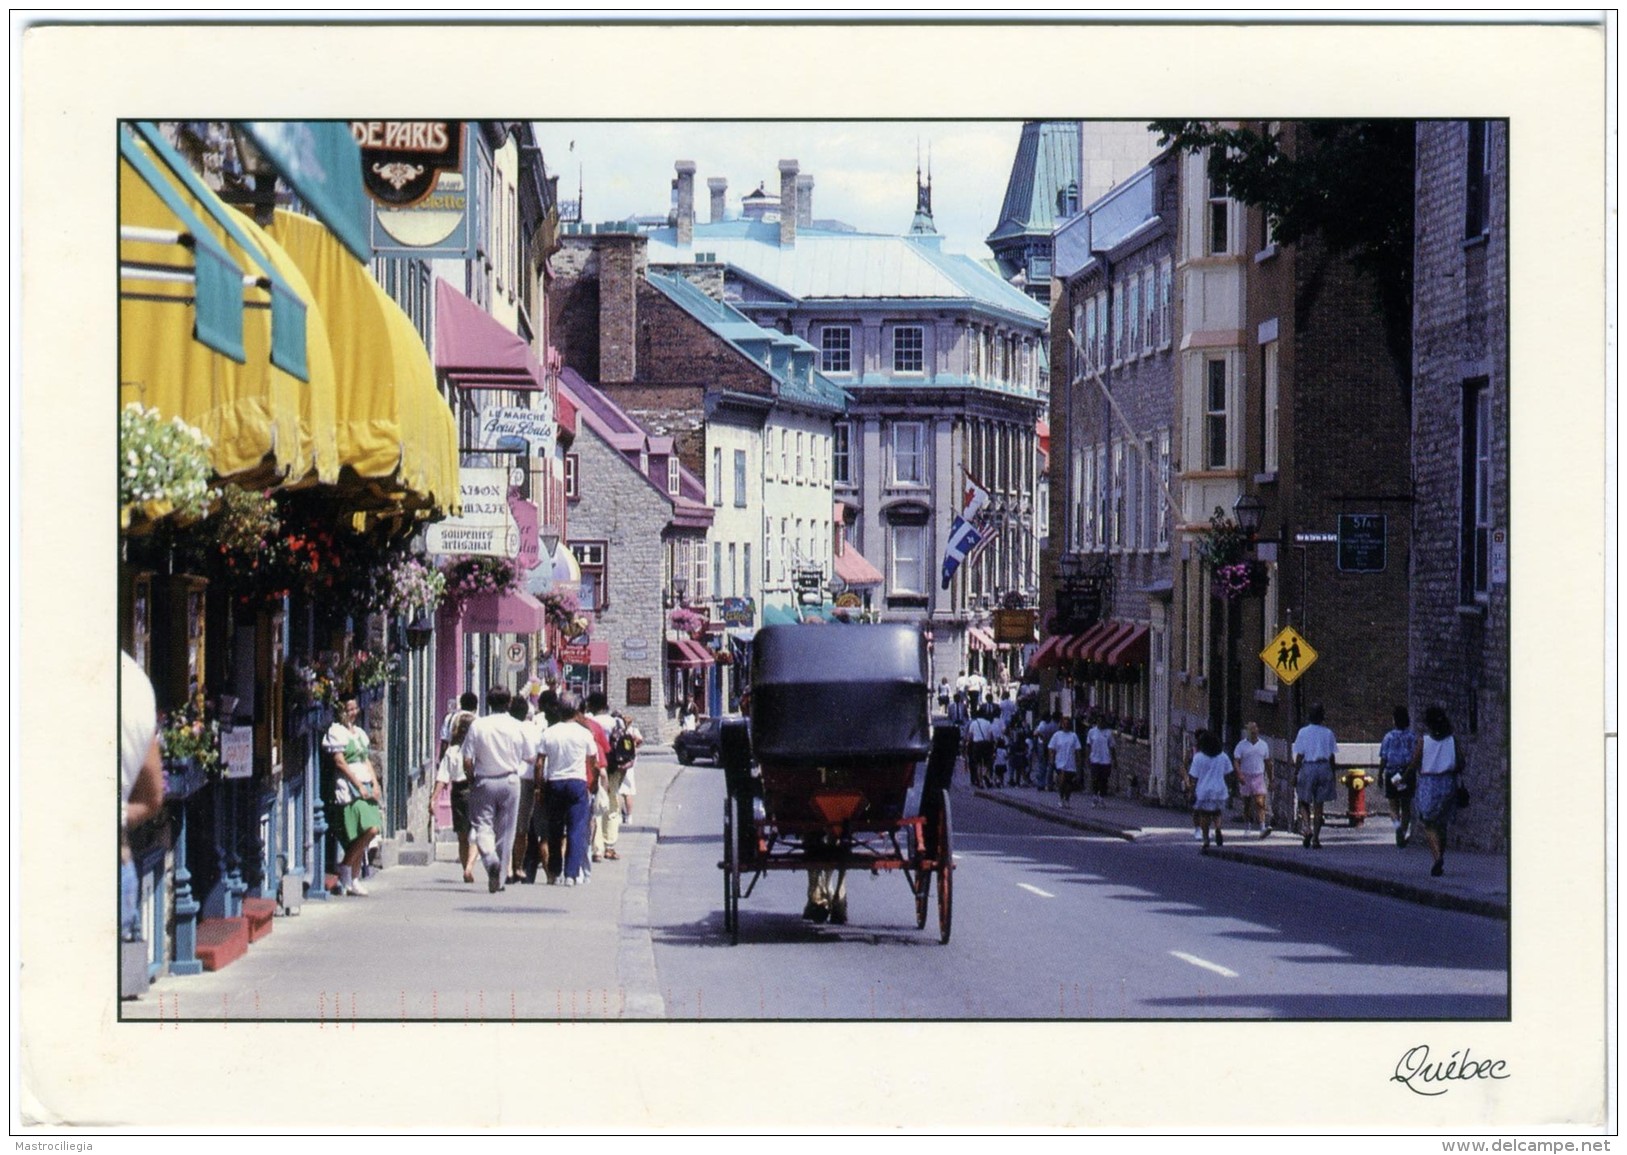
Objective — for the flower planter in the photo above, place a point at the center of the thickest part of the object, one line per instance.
(183, 777)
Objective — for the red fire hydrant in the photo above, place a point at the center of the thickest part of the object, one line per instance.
(1356, 782)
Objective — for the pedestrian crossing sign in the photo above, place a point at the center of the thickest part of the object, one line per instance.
(1288, 655)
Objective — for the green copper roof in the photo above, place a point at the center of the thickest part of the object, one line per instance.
(1047, 163)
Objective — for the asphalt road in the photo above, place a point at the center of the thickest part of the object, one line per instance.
(1050, 923)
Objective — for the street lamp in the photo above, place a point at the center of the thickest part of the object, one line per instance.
(1249, 511)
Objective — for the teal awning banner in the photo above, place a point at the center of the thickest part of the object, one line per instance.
(217, 301)
(287, 309)
(322, 163)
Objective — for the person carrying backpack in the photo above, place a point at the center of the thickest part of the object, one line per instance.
(623, 750)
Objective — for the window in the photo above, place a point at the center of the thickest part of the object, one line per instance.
(717, 477)
(1476, 498)
(1268, 375)
(590, 559)
(717, 569)
(1087, 335)
(1077, 352)
(1219, 217)
(1103, 353)
(1117, 295)
(841, 466)
(909, 560)
(909, 349)
(1104, 496)
(675, 480)
(836, 349)
(799, 457)
(768, 551)
(785, 459)
(570, 477)
(1214, 419)
(745, 569)
(1087, 503)
(785, 547)
(739, 478)
(699, 590)
(1120, 497)
(909, 468)
(1149, 306)
(734, 578)
(1132, 304)
(1162, 517)
(1166, 318)
(1477, 192)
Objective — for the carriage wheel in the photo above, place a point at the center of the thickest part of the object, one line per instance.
(946, 871)
(922, 883)
(731, 869)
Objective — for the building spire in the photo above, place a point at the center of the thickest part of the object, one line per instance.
(923, 194)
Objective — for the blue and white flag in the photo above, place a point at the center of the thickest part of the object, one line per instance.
(964, 538)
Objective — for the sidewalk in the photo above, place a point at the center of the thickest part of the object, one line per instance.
(1363, 856)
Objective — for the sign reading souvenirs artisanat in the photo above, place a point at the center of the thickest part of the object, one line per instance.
(487, 525)
(418, 174)
(1288, 655)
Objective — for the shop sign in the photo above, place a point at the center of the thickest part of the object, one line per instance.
(516, 430)
(576, 654)
(237, 752)
(1014, 627)
(635, 649)
(739, 611)
(487, 524)
(419, 177)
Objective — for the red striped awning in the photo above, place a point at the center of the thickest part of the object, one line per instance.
(1115, 632)
(979, 640)
(1131, 649)
(688, 654)
(1047, 655)
(1079, 649)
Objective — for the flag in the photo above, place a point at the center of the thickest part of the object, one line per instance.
(976, 497)
(964, 538)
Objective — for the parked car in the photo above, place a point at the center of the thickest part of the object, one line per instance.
(701, 742)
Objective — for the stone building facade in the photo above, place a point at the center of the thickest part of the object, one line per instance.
(1115, 420)
(1459, 593)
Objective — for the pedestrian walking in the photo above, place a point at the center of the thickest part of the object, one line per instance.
(1017, 739)
(1100, 752)
(1064, 751)
(629, 784)
(1395, 751)
(623, 749)
(141, 780)
(355, 795)
(1208, 772)
(1252, 756)
(571, 766)
(468, 703)
(495, 751)
(519, 707)
(1315, 759)
(1438, 764)
(452, 783)
(980, 750)
(1043, 733)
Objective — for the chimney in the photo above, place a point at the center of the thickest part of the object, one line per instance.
(719, 186)
(686, 203)
(788, 203)
(805, 202)
(622, 259)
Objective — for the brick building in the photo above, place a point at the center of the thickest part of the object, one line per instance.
(1115, 421)
(1459, 630)
(1287, 391)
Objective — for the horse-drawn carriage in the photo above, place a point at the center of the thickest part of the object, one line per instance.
(839, 766)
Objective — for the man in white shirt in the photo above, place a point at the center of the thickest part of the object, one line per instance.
(570, 761)
(1064, 750)
(1250, 757)
(1099, 750)
(495, 751)
(1315, 770)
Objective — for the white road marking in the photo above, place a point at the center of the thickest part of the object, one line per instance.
(1035, 890)
(1204, 963)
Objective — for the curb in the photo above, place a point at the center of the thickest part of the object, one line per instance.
(1409, 892)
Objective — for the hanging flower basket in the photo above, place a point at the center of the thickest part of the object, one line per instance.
(164, 469)
(475, 574)
(1243, 579)
(183, 777)
(186, 738)
(686, 621)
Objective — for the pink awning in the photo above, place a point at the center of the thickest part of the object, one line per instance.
(854, 569)
(979, 640)
(1078, 650)
(1132, 649)
(1049, 652)
(474, 350)
(511, 613)
(686, 653)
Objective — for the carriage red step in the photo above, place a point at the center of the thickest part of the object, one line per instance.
(222, 941)
(259, 912)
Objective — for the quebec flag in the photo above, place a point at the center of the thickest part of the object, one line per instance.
(964, 538)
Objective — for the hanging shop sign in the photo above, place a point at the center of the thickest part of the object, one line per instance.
(237, 752)
(1014, 627)
(739, 611)
(515, 430)
(419, 175)
(487, 524)
(1361, 542)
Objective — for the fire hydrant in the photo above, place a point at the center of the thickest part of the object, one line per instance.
(1357, 781)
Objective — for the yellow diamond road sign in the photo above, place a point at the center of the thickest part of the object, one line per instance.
(1288, 655)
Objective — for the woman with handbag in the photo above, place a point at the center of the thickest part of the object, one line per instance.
(355, 796)
(1395, 769)
(1437, 765)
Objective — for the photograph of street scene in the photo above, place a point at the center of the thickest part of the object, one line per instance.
(813, 570)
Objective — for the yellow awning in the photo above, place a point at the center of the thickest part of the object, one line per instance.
(266, 425)
(392, 424)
